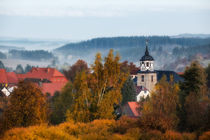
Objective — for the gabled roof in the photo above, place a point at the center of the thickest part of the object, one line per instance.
(134, 107)
(131, 109)
(3, 76)
(176, 77)
(42, 73)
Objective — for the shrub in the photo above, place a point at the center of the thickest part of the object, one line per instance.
(189, 136)
(124, 124)
(134, 133)
(172, 135)
(37, 132)
(101, 127)
(151, 135)
(205, 136)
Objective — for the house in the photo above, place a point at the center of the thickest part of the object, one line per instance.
(49, 79)
(130, 109)
(5, 91)
(50, 74)
(141, 92)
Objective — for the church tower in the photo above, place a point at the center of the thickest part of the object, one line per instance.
(147, 77)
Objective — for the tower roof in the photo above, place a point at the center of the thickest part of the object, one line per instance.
(146, 56)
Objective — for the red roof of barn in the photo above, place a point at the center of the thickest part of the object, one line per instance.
(3, 76)
(43, 73)
(134, 108)
(12, 78)
(180, 73)
(52, 87)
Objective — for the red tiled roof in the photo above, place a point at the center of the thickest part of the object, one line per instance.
(12, 78)
(44, 73)
(3, 76)
(180, 73)
(134, 108)
(52, 87)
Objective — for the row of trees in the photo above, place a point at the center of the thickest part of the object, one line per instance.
(19, 68)
(2, 55)
(92, 93)
(95, 93)
(31, 55)
(183, 107)
(120, 42)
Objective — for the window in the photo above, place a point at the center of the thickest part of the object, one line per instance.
(142, 78)
(147, 64)
(152, 78)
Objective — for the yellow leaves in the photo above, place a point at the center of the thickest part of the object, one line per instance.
(124, 129)
(95, 94)
(205, 136)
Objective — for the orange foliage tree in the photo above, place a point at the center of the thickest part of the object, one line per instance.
(27, 106)
(159, 112)
(79, 66)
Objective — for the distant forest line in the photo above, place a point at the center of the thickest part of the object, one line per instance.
(170, 53)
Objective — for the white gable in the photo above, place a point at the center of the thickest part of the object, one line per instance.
(142, 94)
(5, 91)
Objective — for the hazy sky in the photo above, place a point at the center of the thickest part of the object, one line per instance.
(83, 19)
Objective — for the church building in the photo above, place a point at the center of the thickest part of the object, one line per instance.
(147, 77)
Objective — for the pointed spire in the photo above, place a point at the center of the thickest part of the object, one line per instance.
(147, 52)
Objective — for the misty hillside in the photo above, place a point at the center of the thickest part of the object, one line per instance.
(166, 50)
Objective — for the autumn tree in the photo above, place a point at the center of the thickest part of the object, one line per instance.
(107, 81)
(59, 104)
(208, 75)
(78, 67)
(129, 67)
(80, 109)
(193, 98)
(96, 94)
(28, 68)
(159, 112)
(27, 106)
(128, 91)
(133, 68)
(2, 65)
(19, 69)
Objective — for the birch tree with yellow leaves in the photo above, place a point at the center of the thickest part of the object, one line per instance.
(97, 93)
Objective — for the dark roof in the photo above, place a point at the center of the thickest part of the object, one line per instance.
(161, 73)
(135, 79)
(146, 56)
